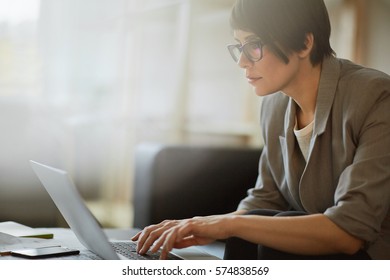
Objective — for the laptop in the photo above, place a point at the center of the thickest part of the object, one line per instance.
(69, 202)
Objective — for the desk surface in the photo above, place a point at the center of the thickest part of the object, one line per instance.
(67, 238)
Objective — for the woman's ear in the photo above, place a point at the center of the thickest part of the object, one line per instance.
(309, 44)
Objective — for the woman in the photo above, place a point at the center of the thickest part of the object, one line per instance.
(323, 189)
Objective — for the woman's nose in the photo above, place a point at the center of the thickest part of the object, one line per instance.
(243, 61)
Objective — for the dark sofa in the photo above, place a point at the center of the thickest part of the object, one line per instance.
(181, 181)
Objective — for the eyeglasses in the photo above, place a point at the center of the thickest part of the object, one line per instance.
(253, 50)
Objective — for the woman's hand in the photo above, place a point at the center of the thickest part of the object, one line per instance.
(183, 233)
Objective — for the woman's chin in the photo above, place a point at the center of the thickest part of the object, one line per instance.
(261, 92)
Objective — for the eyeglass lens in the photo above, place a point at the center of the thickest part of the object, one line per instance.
(252, 50)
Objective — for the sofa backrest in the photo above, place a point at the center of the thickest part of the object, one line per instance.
(176, 182)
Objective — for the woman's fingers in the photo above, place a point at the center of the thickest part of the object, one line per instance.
(169, 241)
(135, 237)
(152, 233)
(144, 236)
(160, 241)
(178, 234)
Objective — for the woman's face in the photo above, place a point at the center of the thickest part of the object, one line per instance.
(270, 74)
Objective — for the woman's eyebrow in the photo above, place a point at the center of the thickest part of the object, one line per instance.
(248, 39)
(251, 38)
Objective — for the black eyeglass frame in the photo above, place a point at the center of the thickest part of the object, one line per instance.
(242, 49)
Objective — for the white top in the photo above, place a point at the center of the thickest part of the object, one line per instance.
(304, 137)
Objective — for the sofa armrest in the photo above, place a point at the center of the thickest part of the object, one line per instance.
(178, 181)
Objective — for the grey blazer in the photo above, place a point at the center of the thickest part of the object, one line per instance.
(347, 174)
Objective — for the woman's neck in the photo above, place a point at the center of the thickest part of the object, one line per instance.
(305, 94)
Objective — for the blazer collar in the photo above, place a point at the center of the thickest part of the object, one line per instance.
(330, 74)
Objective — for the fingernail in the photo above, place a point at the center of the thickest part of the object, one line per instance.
(142, 251)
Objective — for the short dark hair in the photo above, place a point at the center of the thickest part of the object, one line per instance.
(286, 23)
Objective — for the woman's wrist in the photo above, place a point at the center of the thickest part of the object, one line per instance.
(231, 224)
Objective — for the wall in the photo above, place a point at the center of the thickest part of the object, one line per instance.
(378, 39)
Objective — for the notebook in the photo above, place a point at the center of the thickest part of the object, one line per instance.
(20, 230)
(69, 202)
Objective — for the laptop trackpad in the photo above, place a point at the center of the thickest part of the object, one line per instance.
(193, 253)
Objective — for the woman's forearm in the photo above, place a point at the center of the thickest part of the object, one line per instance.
(310, 235)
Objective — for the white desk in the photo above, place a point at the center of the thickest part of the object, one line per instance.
(66, 237)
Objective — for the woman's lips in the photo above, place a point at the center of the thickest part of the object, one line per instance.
(253, 80)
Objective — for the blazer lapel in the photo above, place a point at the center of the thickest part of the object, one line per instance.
(326, 93)
(330, 74)
(293, 160)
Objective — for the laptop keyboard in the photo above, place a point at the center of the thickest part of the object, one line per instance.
(128, 249)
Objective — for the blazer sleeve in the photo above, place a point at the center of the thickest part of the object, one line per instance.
(362, 197)
(265, 194)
